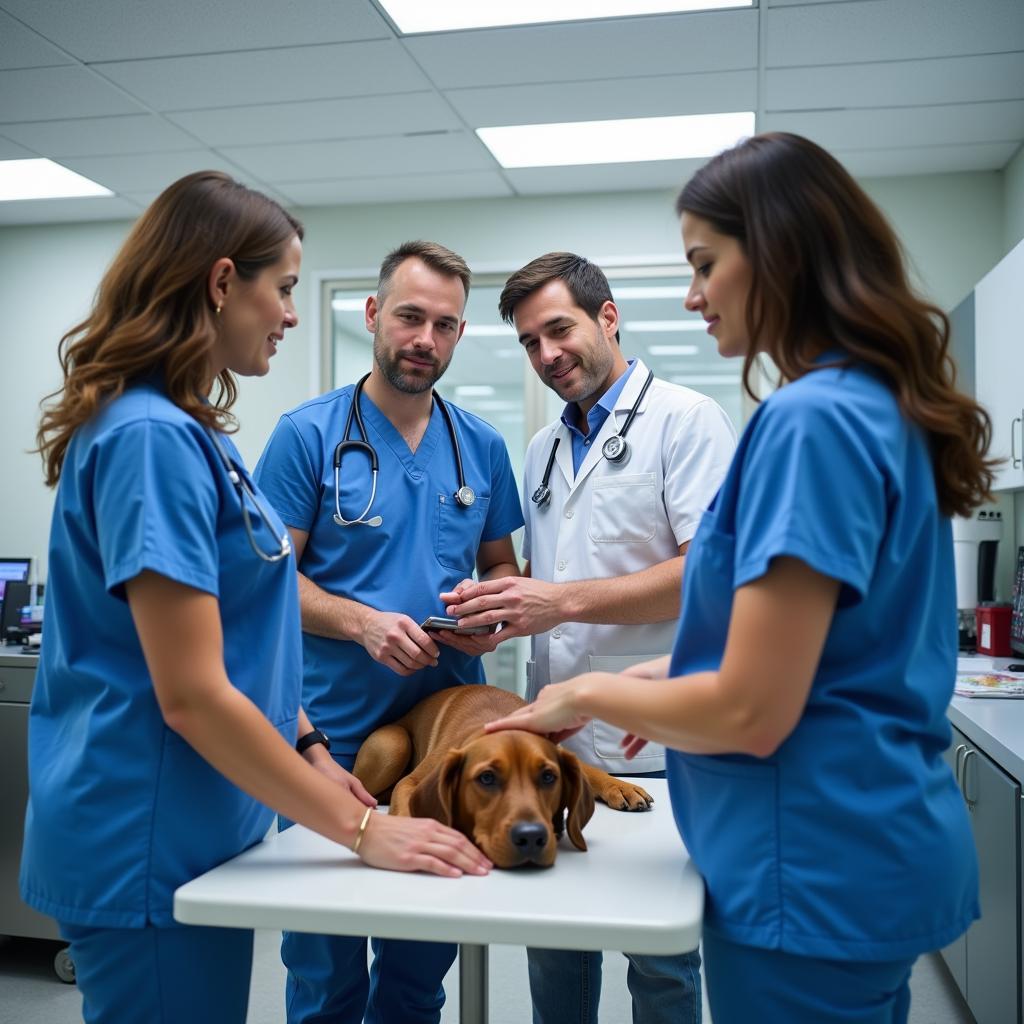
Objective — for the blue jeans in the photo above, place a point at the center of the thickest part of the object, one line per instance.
(161, 975)
(566, 987)
(746, 983)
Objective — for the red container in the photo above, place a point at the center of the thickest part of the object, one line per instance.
(993, 625)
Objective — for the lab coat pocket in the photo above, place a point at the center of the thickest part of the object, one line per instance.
(727, 809)
(608, 738)
(622, 509)
(458, 531)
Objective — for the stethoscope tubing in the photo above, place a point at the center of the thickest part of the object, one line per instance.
(464, 496)
(617, 443)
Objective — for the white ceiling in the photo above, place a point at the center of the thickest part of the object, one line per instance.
(323, 101)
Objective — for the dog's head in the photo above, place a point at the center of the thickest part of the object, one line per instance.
(509, 792)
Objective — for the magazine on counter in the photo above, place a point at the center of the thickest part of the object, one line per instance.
(988, 684)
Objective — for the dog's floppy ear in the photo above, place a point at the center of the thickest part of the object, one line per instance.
(435, 795)
(577, 797)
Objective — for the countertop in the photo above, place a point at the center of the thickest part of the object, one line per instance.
(996, 724)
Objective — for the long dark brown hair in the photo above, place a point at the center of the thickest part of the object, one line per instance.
(152, 312)
(828, 273)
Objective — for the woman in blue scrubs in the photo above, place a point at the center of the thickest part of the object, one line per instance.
(166, 706)
(804, 701)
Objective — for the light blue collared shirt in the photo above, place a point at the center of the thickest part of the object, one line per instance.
(595, 418)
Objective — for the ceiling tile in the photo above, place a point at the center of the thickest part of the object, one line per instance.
(10, 150)
(144, 172)
(661, 45)
(891, 30)
(56, 211)
(658, 96)
(656, 174)
(358, 158)
(997, 76)
(20, 47)
(268, 76)
(319, 119)
(101, 136)
(401, 187)
(114, 30)
(46, 94)
(904, 126)
(875, 163)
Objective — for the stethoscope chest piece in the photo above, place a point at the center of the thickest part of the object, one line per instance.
(615, 449)
(465, 496)
(541, 496)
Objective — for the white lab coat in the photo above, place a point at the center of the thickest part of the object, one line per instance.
(611, 520)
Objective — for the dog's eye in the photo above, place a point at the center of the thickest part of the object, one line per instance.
(548, 777)
(487, 778)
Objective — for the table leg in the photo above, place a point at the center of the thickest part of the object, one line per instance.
(472, 984)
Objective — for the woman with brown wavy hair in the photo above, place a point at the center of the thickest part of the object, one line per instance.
(804, 701)
(166, 707)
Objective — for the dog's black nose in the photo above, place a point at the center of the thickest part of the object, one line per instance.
(529, 835)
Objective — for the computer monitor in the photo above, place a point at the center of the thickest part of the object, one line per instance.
(13, 569)
(19, 612)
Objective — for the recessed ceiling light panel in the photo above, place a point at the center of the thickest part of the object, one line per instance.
(628, 140)
(448, 15)
(43, 179)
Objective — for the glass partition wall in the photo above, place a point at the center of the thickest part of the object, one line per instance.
(491, 376)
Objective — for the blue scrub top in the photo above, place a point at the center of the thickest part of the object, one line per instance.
(851, 841)
(426, 545)
(121, 809)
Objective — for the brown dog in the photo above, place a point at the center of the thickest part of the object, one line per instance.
(507, 792)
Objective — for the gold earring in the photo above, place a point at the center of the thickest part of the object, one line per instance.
(219, 309)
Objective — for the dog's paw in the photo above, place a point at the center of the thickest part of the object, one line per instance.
(620, 795)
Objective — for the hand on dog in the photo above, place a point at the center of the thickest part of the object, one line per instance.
(397, 641)
(553, 714)
(419, 844)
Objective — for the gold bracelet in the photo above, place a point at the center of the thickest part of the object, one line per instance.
(362, 829)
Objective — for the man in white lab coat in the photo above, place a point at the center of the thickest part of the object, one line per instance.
(613, 492)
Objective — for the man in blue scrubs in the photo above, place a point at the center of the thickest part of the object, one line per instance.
(366, 582)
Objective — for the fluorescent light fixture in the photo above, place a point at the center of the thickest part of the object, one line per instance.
(446, 15)
(498, 405)
(488, 331)
(673, 350)
(628, 140)
(705, 378)
(474, 391)
(43, 179)
(664, 326)
(348, 305)
(650, 292)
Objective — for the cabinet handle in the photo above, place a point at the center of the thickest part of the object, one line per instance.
(1013, 441)
(963, 779)
(961, 749)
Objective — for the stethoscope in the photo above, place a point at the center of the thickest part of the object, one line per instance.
(464, 496)
(615, 449)
(242, 488)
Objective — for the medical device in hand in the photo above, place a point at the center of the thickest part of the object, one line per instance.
(437, 622)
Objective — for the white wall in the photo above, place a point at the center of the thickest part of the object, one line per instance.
(952, 226)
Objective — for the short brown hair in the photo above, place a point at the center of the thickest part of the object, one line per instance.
(433, 254)
(586, 282)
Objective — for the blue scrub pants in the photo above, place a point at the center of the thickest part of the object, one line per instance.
(328, 982)
(565, 985)
(746, 983)
(161, 975)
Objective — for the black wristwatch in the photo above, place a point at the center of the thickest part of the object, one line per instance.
(316, 736)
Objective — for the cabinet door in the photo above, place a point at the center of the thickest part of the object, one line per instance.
(993, 980)
(999, 362)
(955, 954)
